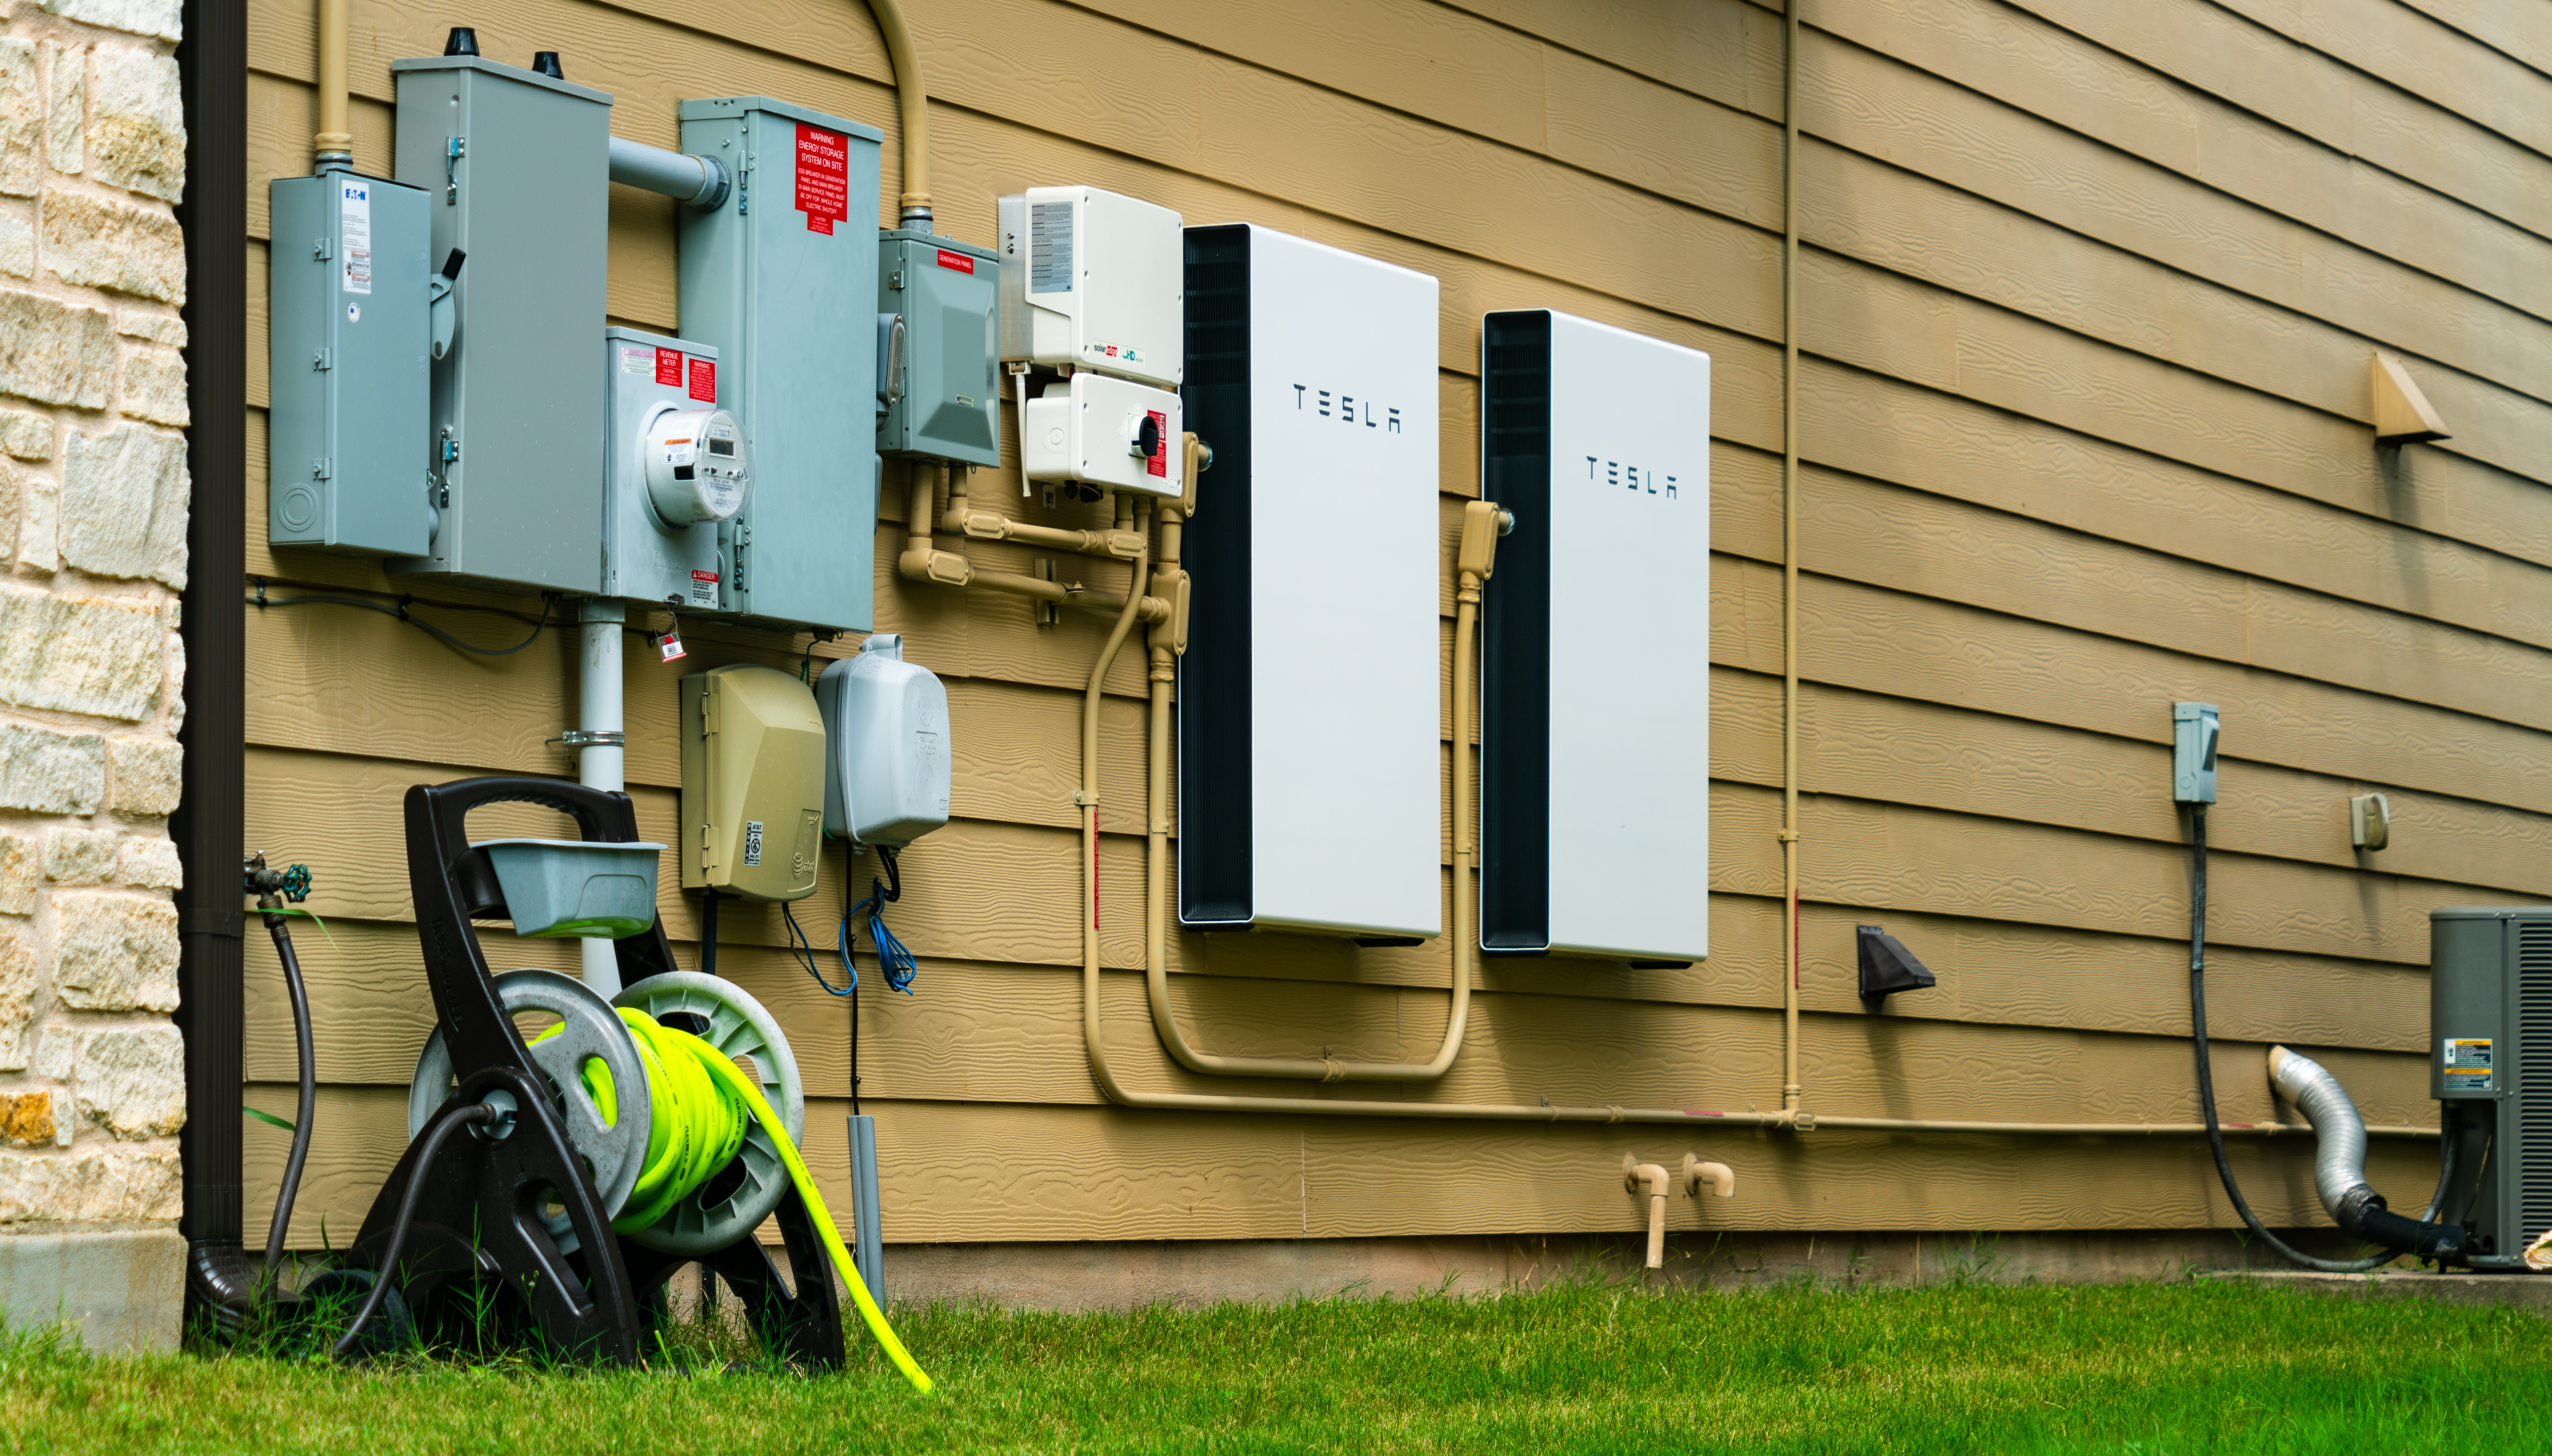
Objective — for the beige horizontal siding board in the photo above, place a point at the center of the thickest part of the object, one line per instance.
(1859, 636)
(1726, 51)
(1910, 119)
(2522, 33)
(967, 1172)
(1955, 239)
(1889, 324)
(2201, 44)
(1971, 43)
(2387, 39)
(1930, 439)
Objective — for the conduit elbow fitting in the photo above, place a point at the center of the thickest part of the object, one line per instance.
(1721, 1178)
(1633, 1174)
(1483, 522)
(946, 567)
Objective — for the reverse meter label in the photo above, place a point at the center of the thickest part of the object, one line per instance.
(2465, 1063)
(824, 177)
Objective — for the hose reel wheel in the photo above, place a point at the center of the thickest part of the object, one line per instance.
(730, 1207)
(589, 1031)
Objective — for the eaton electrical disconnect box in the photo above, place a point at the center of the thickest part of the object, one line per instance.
(782, 281)
(1309, 762)
(515, 170)
(1594, 760)
(671, 481)
(347, 366)
(943, 386)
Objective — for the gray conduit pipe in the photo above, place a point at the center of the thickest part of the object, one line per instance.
(694, 181)
(2339, 1165)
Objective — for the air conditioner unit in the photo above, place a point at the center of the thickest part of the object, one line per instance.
(2489, 1018)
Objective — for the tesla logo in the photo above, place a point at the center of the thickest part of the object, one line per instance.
(1346, 409)
(1630, 477)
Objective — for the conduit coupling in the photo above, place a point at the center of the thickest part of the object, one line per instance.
(694, 181)
(2339, 1167)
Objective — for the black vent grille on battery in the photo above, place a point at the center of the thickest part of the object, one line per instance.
(2533, 1085)
(1215, 818)
(1516, 647)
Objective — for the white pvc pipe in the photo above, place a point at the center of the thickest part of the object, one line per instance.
(600, 764)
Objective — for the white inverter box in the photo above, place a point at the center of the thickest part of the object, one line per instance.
(1595, 651)
(1309, 740)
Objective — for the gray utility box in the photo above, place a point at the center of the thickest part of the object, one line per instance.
(2490, 1051)
(643, 558)
(783, 282)
(943, 393)
(346, 360)
(516, 172)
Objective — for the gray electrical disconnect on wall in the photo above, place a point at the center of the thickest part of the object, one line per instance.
(944, 394)
(782, 282)
(346, 457)
(515, 168)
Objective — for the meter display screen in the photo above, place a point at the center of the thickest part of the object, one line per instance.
(721, 446)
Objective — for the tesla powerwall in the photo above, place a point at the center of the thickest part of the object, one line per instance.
(1309, 744)
(1595, 657)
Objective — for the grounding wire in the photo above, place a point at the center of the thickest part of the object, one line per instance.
(400, 611)
(2206, 1071)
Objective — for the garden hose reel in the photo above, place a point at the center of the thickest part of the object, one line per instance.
(722, 1212)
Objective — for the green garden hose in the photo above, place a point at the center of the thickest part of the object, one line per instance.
(700, 1103)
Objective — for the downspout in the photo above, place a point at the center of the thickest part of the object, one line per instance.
(1793, 1110)
(333, 148)
(209, 826)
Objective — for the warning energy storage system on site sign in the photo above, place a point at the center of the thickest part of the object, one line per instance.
(515, 170)
(1309, 767)
(347, 364)
(1595, 652)
(782, 281)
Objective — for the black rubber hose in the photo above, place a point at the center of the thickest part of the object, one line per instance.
(477, 1112)
(2207, 1070)
(308, 1106)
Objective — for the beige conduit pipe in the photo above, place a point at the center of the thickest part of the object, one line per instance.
(1634, 1173)
(1791, 1098)
(922, 560)
(1482, 523)
(333, 148)
(1104, 1075)
(913, 107)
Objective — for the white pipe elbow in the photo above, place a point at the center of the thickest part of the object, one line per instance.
(1656, 1181)
(1721, 1178)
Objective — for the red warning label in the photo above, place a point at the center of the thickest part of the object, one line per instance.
(1159, 463)
(958, 260)
(704, 380)
(669, 367)
(824, 177)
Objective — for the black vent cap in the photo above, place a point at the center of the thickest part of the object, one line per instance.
(1887, 967)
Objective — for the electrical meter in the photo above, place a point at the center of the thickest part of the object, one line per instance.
(1105, 432)
(886, 746)
(695, 466)
(1092, 280)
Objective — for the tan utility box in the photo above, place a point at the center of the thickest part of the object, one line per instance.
(753, 784)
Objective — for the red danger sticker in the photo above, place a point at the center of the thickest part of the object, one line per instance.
(824, 177)
(1159, 463)
(958, 260)
(704, 380)
(669, 367)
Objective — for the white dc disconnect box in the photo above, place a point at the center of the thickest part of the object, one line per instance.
(1595, 657)
(1091, 280)
(1309, 740)
(886, 744)
(1105, 431)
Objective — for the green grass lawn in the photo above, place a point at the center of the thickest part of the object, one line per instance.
(2183, 1367)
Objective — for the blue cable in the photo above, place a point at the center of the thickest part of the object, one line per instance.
(804, 950)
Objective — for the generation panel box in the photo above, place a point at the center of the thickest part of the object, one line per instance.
(1308, 733)
(1595, 680)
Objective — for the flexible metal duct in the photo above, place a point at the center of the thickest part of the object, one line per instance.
(2339, 1165)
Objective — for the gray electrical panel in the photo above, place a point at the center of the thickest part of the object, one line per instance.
(782, 282)
(645, 557)
(943, 385)
(2490, 1030)
(346, 361)
(515, 168)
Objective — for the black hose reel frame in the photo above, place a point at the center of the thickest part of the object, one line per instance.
(479, 1215)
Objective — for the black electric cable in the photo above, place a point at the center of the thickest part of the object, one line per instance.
(708, 931)
(475, 1114)
(259, 599)
(2207, 1070)
(307, 1107)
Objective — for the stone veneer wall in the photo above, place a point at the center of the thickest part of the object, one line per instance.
(93, 497)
